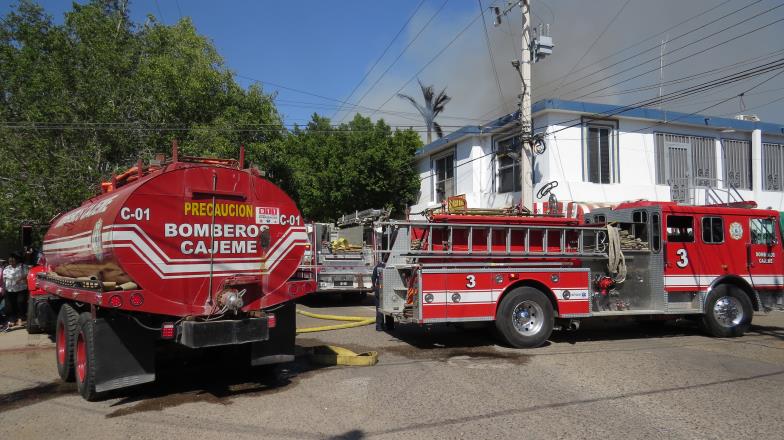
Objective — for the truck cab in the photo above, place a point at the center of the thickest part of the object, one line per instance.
(685, 252)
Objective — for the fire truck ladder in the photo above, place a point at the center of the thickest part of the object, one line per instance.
(423, 241)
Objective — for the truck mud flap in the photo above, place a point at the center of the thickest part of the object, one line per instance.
(194, 334)
(125, 354)
(280, 346)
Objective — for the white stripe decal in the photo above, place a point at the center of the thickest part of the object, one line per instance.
(706, 280)
(144, 241)
(199, 267)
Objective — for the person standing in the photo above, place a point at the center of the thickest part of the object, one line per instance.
(15, 285)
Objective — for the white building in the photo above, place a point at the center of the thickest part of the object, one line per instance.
(607, 154)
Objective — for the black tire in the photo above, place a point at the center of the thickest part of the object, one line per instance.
(33, 327)
(728, 312)
(65, 338)
(84, 356)
(536, 318)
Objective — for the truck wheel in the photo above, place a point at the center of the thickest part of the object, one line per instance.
(65, 337)
(525, 318)
(728, 312)
(85, 358)
(33, 327)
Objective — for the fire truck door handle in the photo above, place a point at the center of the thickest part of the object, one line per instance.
(748, 256)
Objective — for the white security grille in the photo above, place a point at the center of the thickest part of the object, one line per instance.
(772, 167)
(737, 163)
(688, 158)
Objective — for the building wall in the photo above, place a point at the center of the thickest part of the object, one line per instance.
(474, 175)
(563, 162)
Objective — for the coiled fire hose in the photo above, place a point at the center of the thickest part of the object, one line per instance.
(616, 263)
(332, 355)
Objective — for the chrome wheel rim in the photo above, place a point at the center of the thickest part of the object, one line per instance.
(528, 318)
(728, 311)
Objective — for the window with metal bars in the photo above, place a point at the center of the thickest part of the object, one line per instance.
(737, 163)
(772, 167)
(600, 151)
(444, 170)
(682, 161)
(508, 169)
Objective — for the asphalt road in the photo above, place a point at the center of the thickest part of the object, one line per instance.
(617, 380)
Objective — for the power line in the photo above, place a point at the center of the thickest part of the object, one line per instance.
(254, 128)
(401, 54)
(328, 106)
(701, 14)
(692, 77)
(679, 59)
(490, 52)
(590, 48)
(158, 6)
(708, 101)
(757, 107)
(671, 40)
(680, 94)
(386, 49)
(435, 57)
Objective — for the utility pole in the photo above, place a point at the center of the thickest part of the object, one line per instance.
(535, 48)
(526, 124)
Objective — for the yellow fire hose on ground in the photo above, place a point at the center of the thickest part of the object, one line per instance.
(332, 355)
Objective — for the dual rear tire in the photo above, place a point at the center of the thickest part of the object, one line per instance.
(75, 350)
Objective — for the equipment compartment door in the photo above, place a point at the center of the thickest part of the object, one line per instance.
(433, 298)
(763, 254)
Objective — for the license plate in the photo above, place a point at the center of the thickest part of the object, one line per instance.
(343, 283)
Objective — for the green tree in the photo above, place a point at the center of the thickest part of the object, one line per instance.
(86, 98)
(89, 97)
(353, 166)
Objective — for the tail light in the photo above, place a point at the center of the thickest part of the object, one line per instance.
(136, 299)
(168, 330)
(115, 301)
(272, 320)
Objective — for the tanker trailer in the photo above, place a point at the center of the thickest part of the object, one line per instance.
(188, 251)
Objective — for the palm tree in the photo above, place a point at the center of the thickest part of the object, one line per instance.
(434, 105)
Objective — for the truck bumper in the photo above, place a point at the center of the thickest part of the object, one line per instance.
(195, 334)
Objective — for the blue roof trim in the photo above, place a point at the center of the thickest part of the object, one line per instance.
(658, 115)
(612, 111)
(466, 131)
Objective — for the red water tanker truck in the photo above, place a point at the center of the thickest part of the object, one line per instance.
(191, 252)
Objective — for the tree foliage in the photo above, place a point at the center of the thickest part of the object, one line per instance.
(434, 105)
(87, 97)
(354, 166)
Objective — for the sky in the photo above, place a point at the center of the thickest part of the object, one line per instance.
(313, 54)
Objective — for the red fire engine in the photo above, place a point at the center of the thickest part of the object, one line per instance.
(190, 251)
(531, 274)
